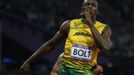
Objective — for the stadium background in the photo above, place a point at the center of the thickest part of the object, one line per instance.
(26, 24)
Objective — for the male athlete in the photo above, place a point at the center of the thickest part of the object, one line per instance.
(85, 37)
(56, 68)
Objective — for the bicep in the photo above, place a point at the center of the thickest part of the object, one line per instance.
(60, 35)
(106, 34)
(56, 39)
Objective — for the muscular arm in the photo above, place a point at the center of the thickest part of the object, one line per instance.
(48, 46)
(102, 40)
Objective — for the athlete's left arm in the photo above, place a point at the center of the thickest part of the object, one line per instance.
(102, 40)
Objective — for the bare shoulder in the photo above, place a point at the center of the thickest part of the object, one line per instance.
(60, 35)
(107, 29)
(65, 27)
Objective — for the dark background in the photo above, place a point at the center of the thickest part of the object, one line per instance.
(26, 24)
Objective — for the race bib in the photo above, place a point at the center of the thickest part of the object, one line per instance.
(81, 52)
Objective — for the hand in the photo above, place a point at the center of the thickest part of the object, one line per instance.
(25, 69)
(87, 16)
(99, 69)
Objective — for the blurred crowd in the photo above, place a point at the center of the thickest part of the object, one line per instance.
(49, 14)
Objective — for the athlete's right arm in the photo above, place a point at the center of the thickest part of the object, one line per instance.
(47, 47)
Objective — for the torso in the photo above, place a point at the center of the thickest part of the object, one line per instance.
(80, 48)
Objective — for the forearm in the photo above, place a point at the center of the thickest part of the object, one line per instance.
(100, 41)
(44, 49)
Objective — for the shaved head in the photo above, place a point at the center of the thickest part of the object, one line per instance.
(88, 0)
(91, 5)
(91, 1)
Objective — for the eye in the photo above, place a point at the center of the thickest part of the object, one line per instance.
(86, 4)
(94, 5)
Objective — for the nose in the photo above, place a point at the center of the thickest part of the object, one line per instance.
(90, 6)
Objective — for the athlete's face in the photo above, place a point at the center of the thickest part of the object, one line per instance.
(90, 5)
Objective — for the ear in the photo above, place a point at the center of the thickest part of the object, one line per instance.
(81, 13)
